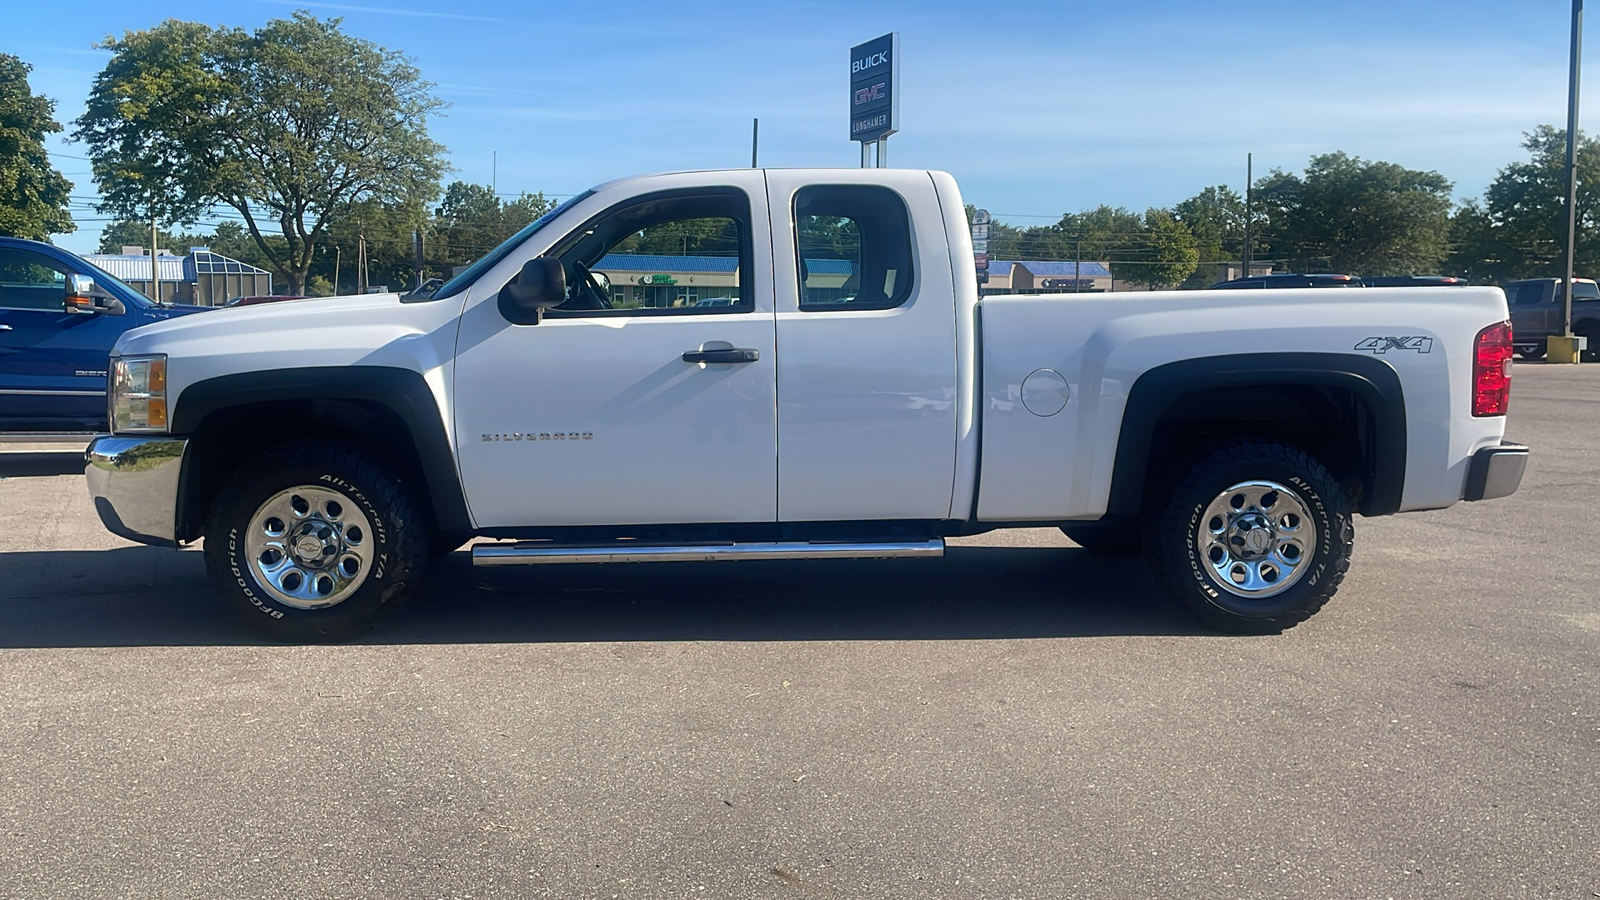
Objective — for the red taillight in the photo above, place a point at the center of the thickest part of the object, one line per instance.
(1491, 371)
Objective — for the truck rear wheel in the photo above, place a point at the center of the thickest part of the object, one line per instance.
(1255, 539)
(315, 541)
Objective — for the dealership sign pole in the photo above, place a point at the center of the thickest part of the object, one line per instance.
(875, 93)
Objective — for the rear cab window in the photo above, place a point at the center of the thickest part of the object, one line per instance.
(1529, 294)
(854, 248)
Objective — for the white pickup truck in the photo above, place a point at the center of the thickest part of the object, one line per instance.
(834, 387)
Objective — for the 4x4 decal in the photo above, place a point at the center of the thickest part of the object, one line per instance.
(1381, 345)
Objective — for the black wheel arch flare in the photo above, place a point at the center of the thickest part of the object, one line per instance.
(403, 395)
(1371, 380)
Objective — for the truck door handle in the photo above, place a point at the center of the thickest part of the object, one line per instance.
(736, 355)
(5, 327)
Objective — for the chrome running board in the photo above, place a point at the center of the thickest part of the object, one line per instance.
(540, 553)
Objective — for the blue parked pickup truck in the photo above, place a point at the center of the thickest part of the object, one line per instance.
(59, 317)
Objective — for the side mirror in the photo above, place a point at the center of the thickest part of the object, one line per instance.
(86, 299)
(541, 285)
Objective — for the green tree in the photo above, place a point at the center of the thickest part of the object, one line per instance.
(388, 230)
(1103, 233)
(720, 237)
(1477, 250)
(521, 212)
(1521, 227)
(1163, 254)
(471, 220)
(125, 233)
(1215, 217)
(295, 124)
(33, 194)
(1358, 217)
(1004, 241)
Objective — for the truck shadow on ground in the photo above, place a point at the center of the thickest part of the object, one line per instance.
(142, 596)
(40, 463)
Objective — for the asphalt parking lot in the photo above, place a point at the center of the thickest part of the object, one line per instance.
(1018, 719)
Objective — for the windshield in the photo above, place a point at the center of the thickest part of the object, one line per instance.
(459, 283)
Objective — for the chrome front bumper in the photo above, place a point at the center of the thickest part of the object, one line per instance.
(134, 483)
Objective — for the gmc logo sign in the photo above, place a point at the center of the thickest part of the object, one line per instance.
(870, 94)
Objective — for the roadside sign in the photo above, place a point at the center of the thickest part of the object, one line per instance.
(980, 244)
(874, 79)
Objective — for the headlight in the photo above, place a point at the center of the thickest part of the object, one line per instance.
(139, 394)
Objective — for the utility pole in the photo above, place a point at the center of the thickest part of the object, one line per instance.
(1249, 188)
(337, 252)
(155, 270)
(418, 247)
(1571, 354)
(1077, 264)
(361, 262)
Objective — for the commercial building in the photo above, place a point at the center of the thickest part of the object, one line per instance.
(1052, 277)
(202, 278)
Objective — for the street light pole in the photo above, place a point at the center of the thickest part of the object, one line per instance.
(1572, 167)
(1249, 188)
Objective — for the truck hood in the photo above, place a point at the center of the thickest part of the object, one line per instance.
(366, 330)
(173, 322)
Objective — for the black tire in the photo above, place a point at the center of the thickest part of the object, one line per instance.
(1192, 576)
(1536, 352)
(1592, 332)
(388, 554)
(1107, 540)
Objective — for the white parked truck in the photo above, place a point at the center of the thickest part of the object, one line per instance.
(845, 394)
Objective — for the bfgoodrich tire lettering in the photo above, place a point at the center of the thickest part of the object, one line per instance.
(1278, 530)
(315, 541)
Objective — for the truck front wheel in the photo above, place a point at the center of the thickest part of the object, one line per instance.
(1255, 539)
(315, 541)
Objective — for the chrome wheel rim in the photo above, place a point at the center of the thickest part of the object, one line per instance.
(310, 547)
(1256, 539)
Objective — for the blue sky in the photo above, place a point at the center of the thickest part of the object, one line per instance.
(1037, 108)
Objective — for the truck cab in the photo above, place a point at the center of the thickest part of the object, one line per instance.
(59, 318)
